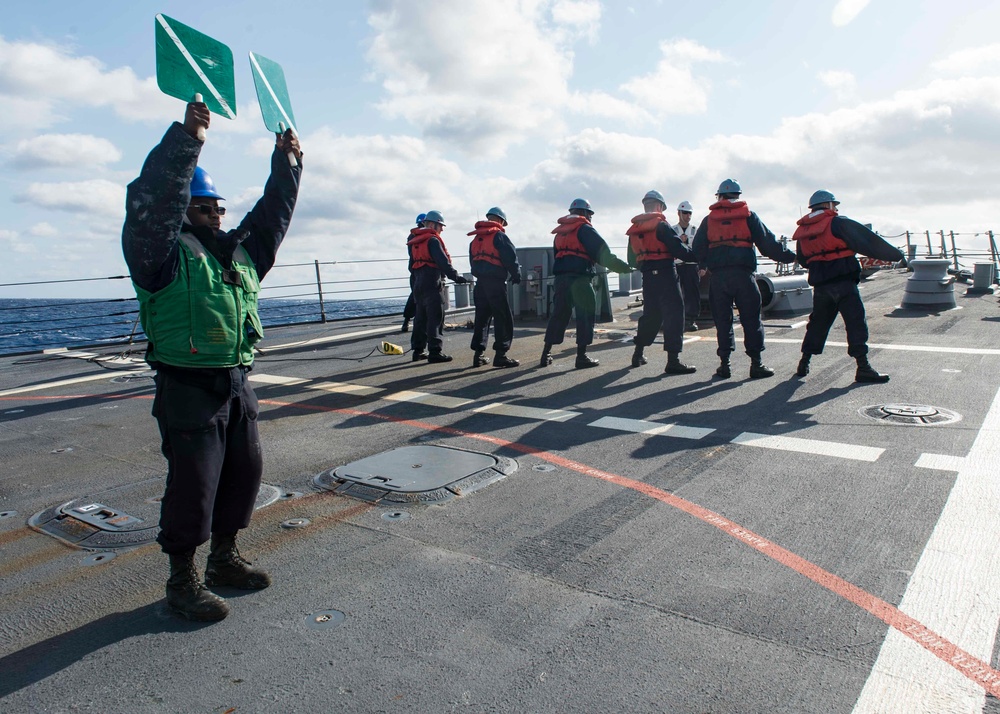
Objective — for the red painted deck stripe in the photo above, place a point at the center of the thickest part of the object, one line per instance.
(967, 664)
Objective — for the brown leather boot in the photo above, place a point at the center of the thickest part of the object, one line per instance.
(227, 567)
(188, 596)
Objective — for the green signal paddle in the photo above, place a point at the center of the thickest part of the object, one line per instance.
(190, 65)
(272, 95)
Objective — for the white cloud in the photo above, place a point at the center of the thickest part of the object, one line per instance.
(672, 87)
(582, 15)
(43, 230)
(97, 197)
(845, 11)
(972, 60)
(454, 69)
(11, 242)
(64, 150)
(45, 77)
(842, 83)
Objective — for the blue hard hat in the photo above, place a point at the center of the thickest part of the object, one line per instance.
(434, 216)
(729, 186)
(581, 204)
(202, 185)
(421, 218)
(498, 212)
(822, 197)
(654, 196)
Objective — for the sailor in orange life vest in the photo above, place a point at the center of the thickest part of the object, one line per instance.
(429, 264)
(688, 274)
(725, 244)
(493, 258)
(826, 244)
(410, 310)
(577, 248)
(653, 246)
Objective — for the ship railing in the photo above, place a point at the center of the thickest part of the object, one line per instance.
(303, 293)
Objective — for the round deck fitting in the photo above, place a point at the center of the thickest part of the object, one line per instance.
(295, 523)
(910, 414)
(325, 619)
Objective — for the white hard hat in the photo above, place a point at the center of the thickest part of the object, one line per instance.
(684, 206)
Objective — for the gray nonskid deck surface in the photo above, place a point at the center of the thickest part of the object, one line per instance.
(551, 590)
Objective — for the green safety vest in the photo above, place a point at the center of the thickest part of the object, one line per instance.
(202, 318)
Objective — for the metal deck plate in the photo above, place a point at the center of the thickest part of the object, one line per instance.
(121, 517)
(413, 474)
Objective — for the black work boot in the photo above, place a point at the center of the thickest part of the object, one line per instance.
(478, 360)
(438, 357)
(546, 359)
(502, 360)
(637, 359)
(417, 356)
(188, 596)
(723, 371)
(675, 366)
(406, 325)
(803, 369)
(582, 360)
(867, 373)
(227, 567)
(757, 368)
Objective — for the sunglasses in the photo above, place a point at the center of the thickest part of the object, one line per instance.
(686, 213)
(206, 210)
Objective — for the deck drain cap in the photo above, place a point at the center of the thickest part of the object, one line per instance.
(396, 516)
(544, 467)
(98, 558)
(325, 619)
(295, 523)
(910, 414)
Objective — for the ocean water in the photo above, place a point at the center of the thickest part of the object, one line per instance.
(29, 325)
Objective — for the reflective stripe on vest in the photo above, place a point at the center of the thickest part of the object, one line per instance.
(567, 242)
(816, 238)
(483, 247)
(642, 238)
(727, 225)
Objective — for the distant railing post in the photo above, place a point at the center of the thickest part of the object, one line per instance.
(907, 245)
(993, 252)
(954, 250)
(930, 250)
(319, 291)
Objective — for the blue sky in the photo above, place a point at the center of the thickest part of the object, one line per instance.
(459, 105)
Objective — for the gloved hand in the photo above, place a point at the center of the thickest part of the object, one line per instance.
(515, 279)
(461, 280)
(620, 267)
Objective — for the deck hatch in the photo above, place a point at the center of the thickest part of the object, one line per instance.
(911, 414)
(121, 517)
(416, 474)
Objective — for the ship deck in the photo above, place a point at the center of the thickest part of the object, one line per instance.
(665, 543)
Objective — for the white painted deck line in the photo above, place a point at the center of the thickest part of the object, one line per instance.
(854, 452)
(940, 462)
(901, 348)
(434, 400)
(275, 379)
(954, 591)
(66, 382)
(345, 388)
(535, 413)
(639, 426)
(387, 330)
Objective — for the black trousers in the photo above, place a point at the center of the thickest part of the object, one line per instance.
(208, 427)
(410, 310)
(687, 275)
(830, 299)
(572, 291)
(736, 285)
(431, 299)
(662, 308)
(490, 295)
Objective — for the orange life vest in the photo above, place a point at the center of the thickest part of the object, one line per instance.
(727, 225)
(482, 246)
(642, 238)
(566, 241)
(816, 238)
(419, 251)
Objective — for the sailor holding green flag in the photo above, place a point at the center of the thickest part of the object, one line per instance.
(198, 286)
